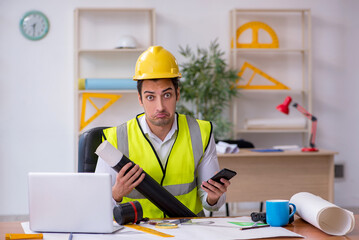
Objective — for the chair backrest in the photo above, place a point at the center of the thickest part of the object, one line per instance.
(88, 142)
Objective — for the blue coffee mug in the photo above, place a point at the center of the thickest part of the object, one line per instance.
(277, 212)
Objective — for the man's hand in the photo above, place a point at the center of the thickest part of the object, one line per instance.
(125, 183)
(215, 190)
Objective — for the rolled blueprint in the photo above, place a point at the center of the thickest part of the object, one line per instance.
(109, 83)
(149, 188)
(322, 214)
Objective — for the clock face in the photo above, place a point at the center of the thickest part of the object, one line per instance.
(34, 25)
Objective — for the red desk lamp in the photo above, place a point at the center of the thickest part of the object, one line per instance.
(284, 108)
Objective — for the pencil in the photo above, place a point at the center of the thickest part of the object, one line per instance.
(252, 227)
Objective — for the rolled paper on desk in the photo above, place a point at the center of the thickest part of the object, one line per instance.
(109, 83)
(322, 214)
(149, 188)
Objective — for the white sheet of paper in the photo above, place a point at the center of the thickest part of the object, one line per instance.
(220, 229)
(126, 233)
(223, 147)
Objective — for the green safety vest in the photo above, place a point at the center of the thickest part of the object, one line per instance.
(179, 176)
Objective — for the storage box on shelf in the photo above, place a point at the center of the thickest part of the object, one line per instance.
(104, 50)
(272, 68)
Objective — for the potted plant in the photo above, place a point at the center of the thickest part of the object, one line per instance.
(207, 86)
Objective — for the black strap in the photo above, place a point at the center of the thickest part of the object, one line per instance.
(104, 136)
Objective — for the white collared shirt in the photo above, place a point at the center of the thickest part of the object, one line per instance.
(162, 148)
(206, 169)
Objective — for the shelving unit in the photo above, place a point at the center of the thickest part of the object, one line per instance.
(97, 32)
(290, 64)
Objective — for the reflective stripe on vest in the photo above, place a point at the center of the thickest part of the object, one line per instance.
(122, 134)
(176, 190)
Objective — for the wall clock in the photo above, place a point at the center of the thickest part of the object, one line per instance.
(34, 25)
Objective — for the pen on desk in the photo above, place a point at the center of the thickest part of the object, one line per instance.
(9, 236)
(253, 227)
(70, 236)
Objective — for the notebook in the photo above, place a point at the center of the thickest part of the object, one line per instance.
(71, 202)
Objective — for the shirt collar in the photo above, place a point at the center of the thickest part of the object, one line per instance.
(146, 129)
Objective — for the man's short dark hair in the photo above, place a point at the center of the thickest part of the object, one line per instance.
(175, 82)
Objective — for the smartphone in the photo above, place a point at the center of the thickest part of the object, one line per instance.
(224, 173)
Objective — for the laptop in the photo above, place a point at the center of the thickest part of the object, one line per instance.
(71, 202)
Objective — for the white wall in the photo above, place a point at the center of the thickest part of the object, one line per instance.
(37, 95)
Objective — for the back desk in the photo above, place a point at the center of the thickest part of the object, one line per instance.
(279, 175)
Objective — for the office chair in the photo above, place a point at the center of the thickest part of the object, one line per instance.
(88, 142)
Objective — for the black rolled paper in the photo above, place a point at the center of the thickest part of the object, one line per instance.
(149, 188)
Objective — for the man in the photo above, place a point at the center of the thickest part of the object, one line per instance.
(176, 150)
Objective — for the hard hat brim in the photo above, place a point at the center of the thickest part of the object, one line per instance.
(157, 76)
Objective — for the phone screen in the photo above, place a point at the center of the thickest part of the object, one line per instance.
(224, 173)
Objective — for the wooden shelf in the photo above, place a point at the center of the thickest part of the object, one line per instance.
(270, 50)
(114, 9)
(122, 91)
(272, 91)
(272, 131)
(97, 32)
(100, 51)
(249, 10)
(289, 64)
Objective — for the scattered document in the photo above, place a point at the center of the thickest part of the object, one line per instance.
(266, 150)
(202, 228)
(324, 215)
(223, 147)
(287, 147)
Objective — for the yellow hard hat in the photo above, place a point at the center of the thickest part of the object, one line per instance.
(156, 62)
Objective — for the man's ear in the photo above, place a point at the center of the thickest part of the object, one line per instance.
(139, 99)
(178, 94)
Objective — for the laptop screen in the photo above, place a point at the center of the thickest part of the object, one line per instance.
(70, 202)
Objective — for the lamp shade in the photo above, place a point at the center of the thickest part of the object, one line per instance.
(284, 107)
